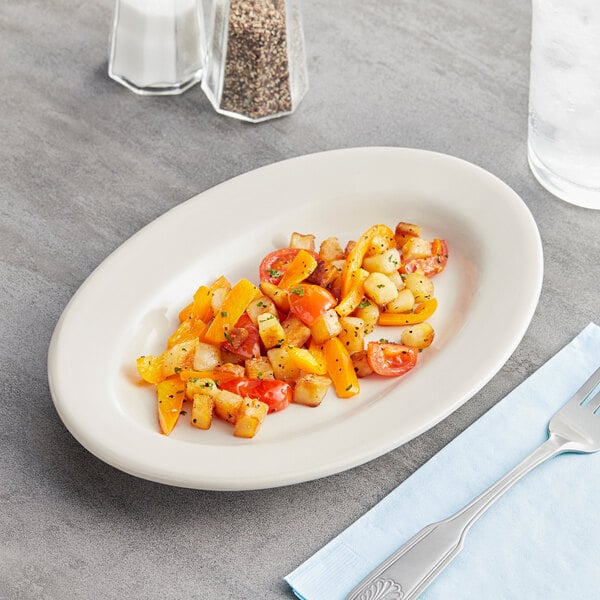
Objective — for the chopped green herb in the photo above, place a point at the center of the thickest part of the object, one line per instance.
(380, 285)
(223, 313)
(274, 273)
(364, 304)
(227, 336)
(299, 291)
(177, 369)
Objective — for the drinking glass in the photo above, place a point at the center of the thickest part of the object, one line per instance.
(564, 99)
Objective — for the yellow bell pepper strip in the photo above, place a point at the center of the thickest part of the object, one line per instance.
(306, 362)
(170, 393)
(150, 368)
(354, 296)
(201, 306)
(354, 261)
(279, 296)
(233, 307)
(300, 268)
(421, 313)
(340, 368)
(317, 351)
(190, 329)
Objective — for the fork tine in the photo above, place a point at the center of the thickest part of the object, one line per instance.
(582, 395)
(593, 403)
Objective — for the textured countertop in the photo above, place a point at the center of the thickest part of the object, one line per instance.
(84, 164)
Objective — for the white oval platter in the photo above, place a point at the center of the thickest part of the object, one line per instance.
(129, 305)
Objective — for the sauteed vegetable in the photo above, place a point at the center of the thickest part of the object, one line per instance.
(243, 351)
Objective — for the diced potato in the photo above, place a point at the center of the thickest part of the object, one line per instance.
(180, 356)
(276, 294)
(361, 364)
(218, 297)
(405, 231)
(270, 330)
(325, 273)
(378, 244)
(202, 411)
(259, 368)
(311, 389)
(326, 326)
(339, 265)
(387, 262)
(418, 336)
(397, 280)
(305, 242)
(335, 287)
(420, 285)
(283, 366)
(404, 302)
(200, 385)
(331, 249)
(352, 334)
(416, 247)
(206, 357)
(251, 414)
(296, 332)
(236, 369)
(259, 307)
(380, 288)
(369, 312)
(227, 405)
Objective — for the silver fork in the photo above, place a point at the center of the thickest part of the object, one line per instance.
(407, 572)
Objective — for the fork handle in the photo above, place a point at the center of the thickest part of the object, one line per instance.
(407, 572)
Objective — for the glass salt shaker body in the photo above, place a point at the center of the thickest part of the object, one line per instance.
(256, 65)
(157, 46)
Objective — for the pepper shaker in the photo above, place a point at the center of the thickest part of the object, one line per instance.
(157, 46)
(256, 65)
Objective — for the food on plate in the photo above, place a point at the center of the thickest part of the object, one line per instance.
(242, 351)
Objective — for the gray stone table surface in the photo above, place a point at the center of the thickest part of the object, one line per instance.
(84, 164)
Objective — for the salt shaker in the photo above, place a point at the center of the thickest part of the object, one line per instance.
(256, 65)
(157, 46)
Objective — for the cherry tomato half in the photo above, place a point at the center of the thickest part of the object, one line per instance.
(276, 263)
(245, 340)
(277, 394)
(432, 265)
(308, 302)
(389, 359)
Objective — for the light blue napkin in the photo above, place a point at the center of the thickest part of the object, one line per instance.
(541, 540)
